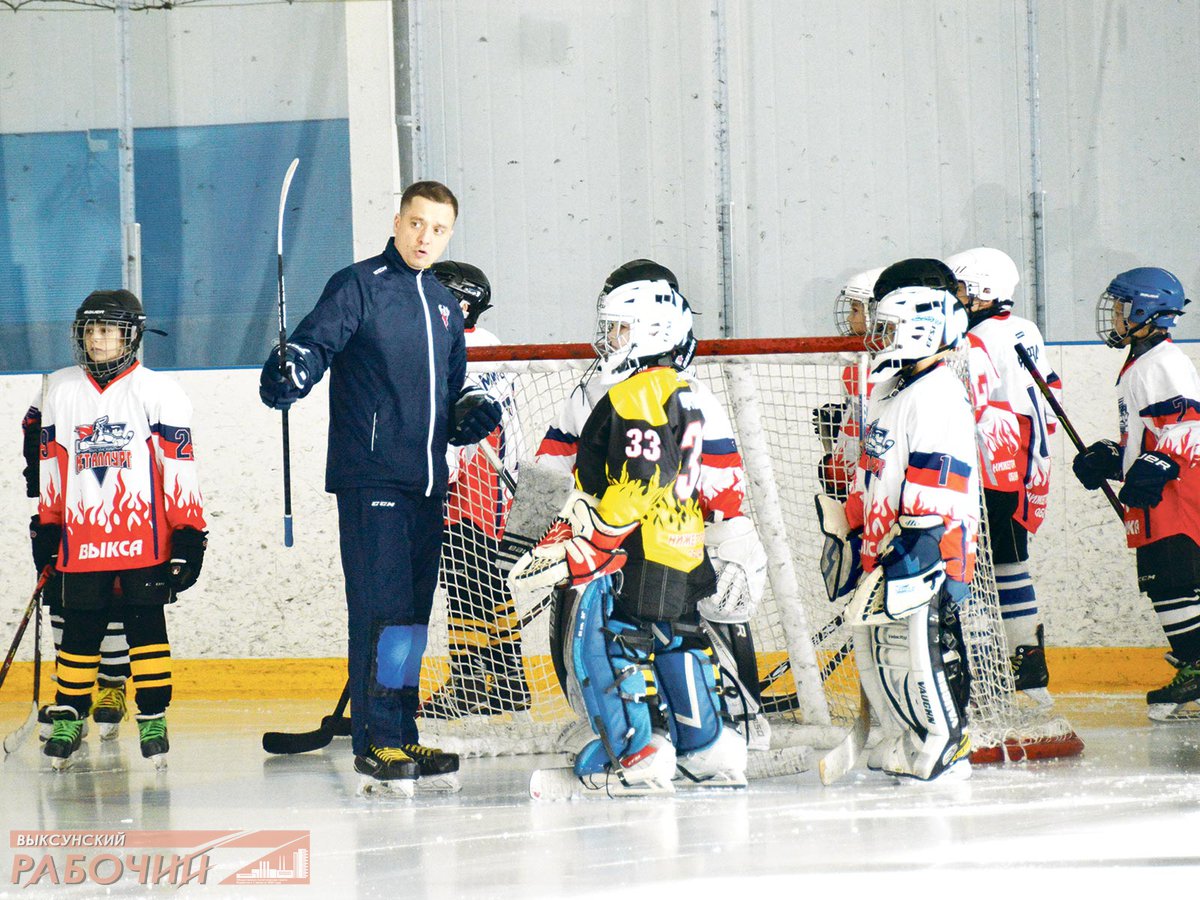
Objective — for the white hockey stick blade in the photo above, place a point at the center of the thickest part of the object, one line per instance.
(778, 762)
(13, 741)
(838, 762)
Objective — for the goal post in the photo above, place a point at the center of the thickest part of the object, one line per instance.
(489, 684)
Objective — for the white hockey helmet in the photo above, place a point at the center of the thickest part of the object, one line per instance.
(988, 273)
(640, 324)
(911, 324)
(859, 290)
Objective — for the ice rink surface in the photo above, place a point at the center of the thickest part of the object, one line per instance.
(1124, 816)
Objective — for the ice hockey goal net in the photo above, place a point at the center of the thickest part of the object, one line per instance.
(489, 686)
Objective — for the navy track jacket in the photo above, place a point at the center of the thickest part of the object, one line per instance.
(393, 337)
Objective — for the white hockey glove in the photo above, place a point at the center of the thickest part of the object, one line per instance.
(841, 557)
(740, 562)
(578, 547)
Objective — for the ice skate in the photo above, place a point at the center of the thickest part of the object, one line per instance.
(386, 771)
(65, 737)
(1030, 675)
(1178, 701)
(463, 693)
(723, 764)
(152, 732)
(643, 773)
(439, 769)
(110, 709)
(46, 725)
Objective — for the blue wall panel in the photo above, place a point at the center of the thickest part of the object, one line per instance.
(208, 202)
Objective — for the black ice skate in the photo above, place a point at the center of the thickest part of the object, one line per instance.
(1178, 701)
(386, 770)
(152, 732)
(110, 709)
(439, 769)
(1030, 674)
(65, 737)
(46, 724)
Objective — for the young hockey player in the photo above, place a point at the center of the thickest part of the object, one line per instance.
(1016, 486)
(1158, 458)
(119, 517)
(392, 338)
(637, 652)
(486, 676)
(722, 495)
(109, 708)
(916, 501)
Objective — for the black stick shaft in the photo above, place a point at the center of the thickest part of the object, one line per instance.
(287, 449)
(1029, 364)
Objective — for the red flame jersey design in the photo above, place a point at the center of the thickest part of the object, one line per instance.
(1035, 420)
(118, 470)
(1160, 410)
(919, 458)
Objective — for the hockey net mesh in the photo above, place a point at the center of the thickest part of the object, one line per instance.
(488, 684)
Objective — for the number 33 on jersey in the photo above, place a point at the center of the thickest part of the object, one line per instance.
(640, 453)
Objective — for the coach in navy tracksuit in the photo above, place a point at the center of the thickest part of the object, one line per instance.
(393, 337)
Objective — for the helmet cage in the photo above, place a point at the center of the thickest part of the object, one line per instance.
(130, 327)
(1145, 297)
(909, 325)
(641, 324)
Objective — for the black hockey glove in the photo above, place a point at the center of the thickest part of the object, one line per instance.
(476, 415)
(187, 556)
(45, 540)
(279, 389)
(827, 420)
(1099, 463)
(1146, 478)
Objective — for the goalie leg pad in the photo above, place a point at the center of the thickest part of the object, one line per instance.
(612, 662)
(689, 678)
(909, 672)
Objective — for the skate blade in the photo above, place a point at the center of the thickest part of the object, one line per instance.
(1040, 696)
(447, 783)
(109, 731)
(61, 764)
(397, 788)
(727, 780)
(564, 784)
(160, 762)
(1174, 712)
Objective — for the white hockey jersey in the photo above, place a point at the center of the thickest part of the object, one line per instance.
(477, 493)
(997, 425)
(1159, 407)
(117, 468)
(919, 458)
(1000, 334)
(722, 477)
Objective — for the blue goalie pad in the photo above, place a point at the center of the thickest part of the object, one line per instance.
(688, 681)
(611, 660)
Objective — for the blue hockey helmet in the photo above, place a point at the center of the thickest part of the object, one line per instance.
(1143, 296)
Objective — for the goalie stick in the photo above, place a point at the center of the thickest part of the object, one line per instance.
(333, 725)
(1031, 366)
(287, 453)
(16, 738)
(838, 762)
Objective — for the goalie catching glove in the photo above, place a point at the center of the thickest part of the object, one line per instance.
(578, 547)
(738, 558)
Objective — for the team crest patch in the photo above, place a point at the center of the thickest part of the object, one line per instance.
(445, 311)
(101, 446)
(876, 445)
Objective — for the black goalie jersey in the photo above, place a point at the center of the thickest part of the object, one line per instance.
(639, 453)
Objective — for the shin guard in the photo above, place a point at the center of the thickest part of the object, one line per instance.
(689, 680)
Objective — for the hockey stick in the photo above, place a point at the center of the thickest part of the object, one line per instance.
(287, 452)
(1029, 364)
(838, 762)
(489, 453)
(306, 741)
(16, 738)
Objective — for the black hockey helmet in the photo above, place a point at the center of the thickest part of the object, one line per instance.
(639, 270)
(468, 284)
(117, 309)
(931, 273)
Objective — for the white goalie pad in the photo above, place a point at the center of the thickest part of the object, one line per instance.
(740, 562)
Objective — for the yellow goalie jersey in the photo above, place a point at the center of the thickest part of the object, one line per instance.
(640, 454)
